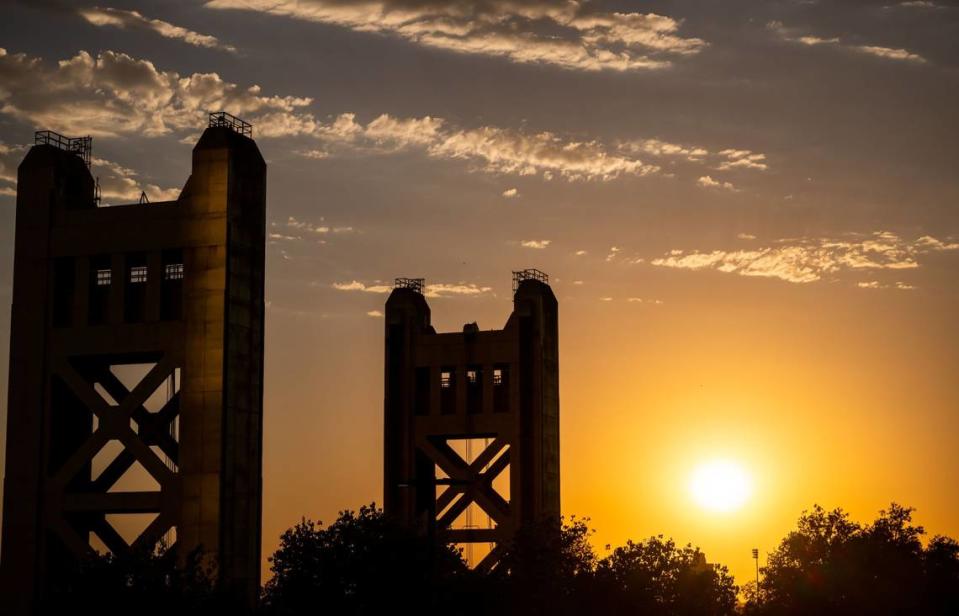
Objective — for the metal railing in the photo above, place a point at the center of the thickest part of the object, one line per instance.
(81, 146)
(528, 274)
(224, 119)
(414, 284)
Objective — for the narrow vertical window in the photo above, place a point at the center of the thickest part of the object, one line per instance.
(171, 287)
(135, 292)
(101, 279)
(447, 391)
(474, 389)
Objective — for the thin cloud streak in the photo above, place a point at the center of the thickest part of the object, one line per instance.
(133, 20)
(571, 34)
(890, 53)
(433, 290)
(810, 260)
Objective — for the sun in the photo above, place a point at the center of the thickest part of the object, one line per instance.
(720, 485)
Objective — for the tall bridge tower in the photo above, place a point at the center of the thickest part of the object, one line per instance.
(472, 420)
(136, 367)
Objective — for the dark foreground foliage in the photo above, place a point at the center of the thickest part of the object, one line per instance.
(145, 583)
(832, 565)
(364, 564)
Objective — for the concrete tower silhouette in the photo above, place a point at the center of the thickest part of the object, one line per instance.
(472, 419)
(136, 367)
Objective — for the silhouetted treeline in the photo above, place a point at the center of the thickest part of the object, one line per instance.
(832, 565)
(364, 564)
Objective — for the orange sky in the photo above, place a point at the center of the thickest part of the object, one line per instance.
(747, 211)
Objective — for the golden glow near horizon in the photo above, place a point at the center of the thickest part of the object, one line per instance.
(721, 486)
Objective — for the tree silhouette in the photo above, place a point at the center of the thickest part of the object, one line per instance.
(363, 563)
(147, 582)
(832, 565)
(657, 577)
(546, 569)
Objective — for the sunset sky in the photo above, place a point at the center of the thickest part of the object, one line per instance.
(747, 209)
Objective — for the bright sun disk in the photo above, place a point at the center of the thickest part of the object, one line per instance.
(720, 485)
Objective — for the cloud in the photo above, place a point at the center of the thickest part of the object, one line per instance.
(537, 244)
(640, 300)
(708, 182)
(312, 228)
(579, 253)
(510, 193)
(921, 4)
(374, 313)
(746, 236)
(657, 147)
(431, 290)
(612, 253)
(492, 149)
(809, 260)
(729, 158)
(875, 284)
(788, 34)
(506, 151)
(114, 94)
(887, 52)
(447, 290)
(10, 157)
(120, 18)
(314, 154)
(355, 285)
(569, 34)
(606, 299)
(119, 184)
(742, 159)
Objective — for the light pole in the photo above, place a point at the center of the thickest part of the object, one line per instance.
(756, 558)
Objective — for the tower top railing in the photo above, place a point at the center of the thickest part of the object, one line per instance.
(81, 146)
(224, 119)
(528, 274)
(413, 284)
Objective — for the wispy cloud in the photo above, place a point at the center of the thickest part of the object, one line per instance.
(891, 53)
(489, 149)
(119, 184)
(809, 260)
(875, 284)
(657, 147)
(433, 290)
(133, 20)
(294, 230)
(536, 244)
(570, 34)
(10, 157)
(113, 94)
(510, 193)
(708, 182)
(355, 285)
(921, 4)
(742, 159)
